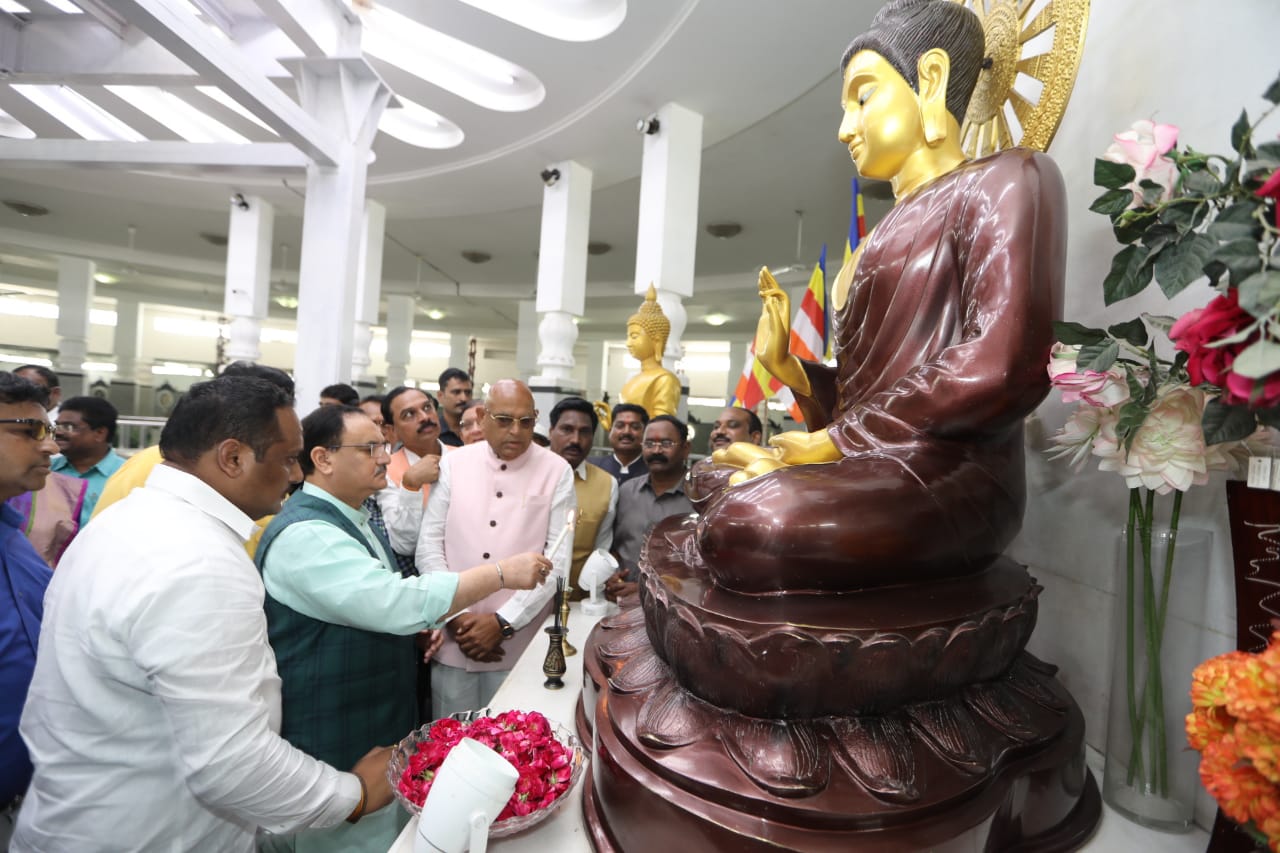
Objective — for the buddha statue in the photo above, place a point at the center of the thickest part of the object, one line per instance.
(654, 387)
(830, 654)
(942, 327)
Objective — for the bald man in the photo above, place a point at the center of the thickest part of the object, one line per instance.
(493, 496)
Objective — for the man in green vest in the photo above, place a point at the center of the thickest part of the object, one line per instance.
(341, 618)
(573, 429)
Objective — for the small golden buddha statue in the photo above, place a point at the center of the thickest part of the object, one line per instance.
(654, 387)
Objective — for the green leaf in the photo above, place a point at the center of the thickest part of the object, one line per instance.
(1111, 175)
(1237, 222)
(1240, 258)
(1214, 270)
(1180, 215)
(1268, 154)
(1183, 263)
(1098, 357)
(1136, 389)
(1226, 423)
(1130, 419)
(1158, 236)
(1132, 331)
(1260, 292)
(1259, 359)
(1201, 183)
(1112, 202)
(1129, 274)
(1162, 323)
(1074, 334)
(1268, 417)
(1273, 91)
(1240, 135)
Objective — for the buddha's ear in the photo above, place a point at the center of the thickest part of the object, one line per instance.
(933, 70)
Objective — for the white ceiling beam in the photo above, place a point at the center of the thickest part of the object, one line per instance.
(320, 28)
(224, 65)
(26, 242)
(105, 15)
(75, 49)
(85, 153)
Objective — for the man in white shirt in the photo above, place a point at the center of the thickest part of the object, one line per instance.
(153, 713)
(500, 496)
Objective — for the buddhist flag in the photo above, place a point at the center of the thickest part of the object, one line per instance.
(857, 221)
(809, 328)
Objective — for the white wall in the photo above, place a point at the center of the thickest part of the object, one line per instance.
(1194, 64)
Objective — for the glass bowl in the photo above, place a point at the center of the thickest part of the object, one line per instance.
(501, 828)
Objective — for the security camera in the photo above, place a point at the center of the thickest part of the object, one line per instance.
(237, 199)
(550, 176)
(648, 126)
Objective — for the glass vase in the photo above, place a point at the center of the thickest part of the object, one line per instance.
(1151, 775)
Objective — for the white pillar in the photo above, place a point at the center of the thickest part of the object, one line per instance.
(248, 282)
(75, 298)
(459, 351)
(368, 293)
(399, 337)
(127, 344)
(562, 279)
(348, 98)
(527, 339)
(668, 232)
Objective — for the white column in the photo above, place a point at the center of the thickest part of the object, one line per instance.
(368, 293)
(75, 298)
(459, 351)
(668, 232)
(248, 283)
(348, 98)
(127, 344)
(399, 337)
(527, 339)
(562, 278)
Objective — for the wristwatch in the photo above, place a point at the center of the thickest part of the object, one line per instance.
(507, 631)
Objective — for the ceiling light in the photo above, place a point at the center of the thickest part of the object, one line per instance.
(599, 248)
(416, 125)
(577, 21)
(11, 128)
(13, 7)
(25, 208)
(290, 302)
(77, 112)
(65, 6)
(104, 278)
(176, 114)
(716, 319)
(435, 314)
(724, 230)
(465, 70)
(476, 256)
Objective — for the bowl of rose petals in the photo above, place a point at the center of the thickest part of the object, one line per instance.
(549, 758)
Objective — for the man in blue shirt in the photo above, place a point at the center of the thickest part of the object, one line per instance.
(26, 446)
(86, 433)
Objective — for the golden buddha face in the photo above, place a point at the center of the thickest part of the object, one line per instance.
(639, 344)
(882, 126)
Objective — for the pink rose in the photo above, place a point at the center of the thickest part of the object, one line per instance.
(1097, 389)
(1143, 147)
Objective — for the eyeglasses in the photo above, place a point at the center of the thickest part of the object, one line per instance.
(37, 429)
(507, 421)
(373, 448)
(665, 444)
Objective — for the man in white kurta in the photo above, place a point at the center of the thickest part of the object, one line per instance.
(153, 714)
(500, 496)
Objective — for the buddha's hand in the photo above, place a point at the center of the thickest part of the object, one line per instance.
(773, 335)
(787, 449)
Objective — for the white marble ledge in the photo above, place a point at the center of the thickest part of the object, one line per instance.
(565, 831)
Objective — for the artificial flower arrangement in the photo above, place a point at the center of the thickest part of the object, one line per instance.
(1163, 423)
(524, 738)
(1235, 726)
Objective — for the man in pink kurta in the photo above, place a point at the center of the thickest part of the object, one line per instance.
(503, 495)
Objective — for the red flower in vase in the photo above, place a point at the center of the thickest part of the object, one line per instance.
(1197, 331)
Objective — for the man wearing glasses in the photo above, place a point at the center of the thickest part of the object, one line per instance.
(26, 446)
(86, 435)
(498, 496)
(341, 618)
(646, 500)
